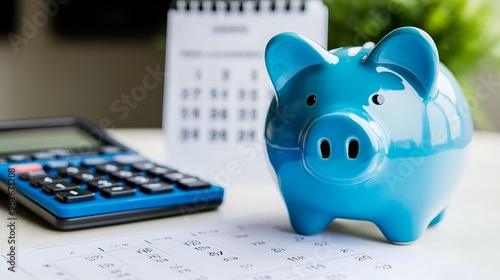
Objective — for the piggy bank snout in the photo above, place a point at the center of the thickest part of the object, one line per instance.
(342, 148)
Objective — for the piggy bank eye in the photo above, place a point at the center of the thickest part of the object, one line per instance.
(311, 100)
(378, 99)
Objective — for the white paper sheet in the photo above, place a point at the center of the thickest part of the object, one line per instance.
(254, 249)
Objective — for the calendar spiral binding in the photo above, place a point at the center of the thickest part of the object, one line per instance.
(239, 5)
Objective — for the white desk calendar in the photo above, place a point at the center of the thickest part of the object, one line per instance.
(217, 90)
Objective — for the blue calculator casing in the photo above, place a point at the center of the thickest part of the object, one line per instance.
(96, 182)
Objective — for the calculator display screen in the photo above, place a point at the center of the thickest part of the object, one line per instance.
(67, 137)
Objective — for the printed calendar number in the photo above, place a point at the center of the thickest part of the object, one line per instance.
(226, 74)
(106, 265)
(277, 250)
(247, 95)
(384, 266)
(93, 258)
(246, 135)
(215, 253)
(179, 269)
(157, 258)
(144, 250)
(315, 267)
(296, 258)
(321, 243)
(189, 134)
(190, 113)
(221, 94)
(191, 243)
(247, 114)
(218, 114)
(363, 258)
(202, 248)
(230, 259)
(254, 75)
(217, 135)
(190, 94)
(198, 74)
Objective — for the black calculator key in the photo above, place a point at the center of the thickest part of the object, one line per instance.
(143, 166)
(71, 170)
(192, 183)
(118, 192)
(43, 155)
(94, 161)
(85, 177)
(110, 149)
(86, 152)
(172, 177)
(108, 168)
(128, 159)
(41, 181)
(75, 196)
(60, 187)
(18, 157)
(155, 188)
(135, 181)
(32, 174)
(123, 174)
(103, 184)
(61, 152)
(57, 164)
(159, 170)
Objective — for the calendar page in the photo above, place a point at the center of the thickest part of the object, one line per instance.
(249, 249)
(217, 91)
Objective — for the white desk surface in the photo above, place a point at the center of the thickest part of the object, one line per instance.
(468, 236)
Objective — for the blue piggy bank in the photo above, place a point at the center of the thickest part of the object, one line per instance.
(378, 132)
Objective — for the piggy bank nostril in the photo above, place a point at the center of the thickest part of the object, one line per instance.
(324, 147)
(352, 148)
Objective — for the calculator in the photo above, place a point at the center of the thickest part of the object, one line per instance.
(74, 175)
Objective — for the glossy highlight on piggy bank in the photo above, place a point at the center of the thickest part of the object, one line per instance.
(376, 132)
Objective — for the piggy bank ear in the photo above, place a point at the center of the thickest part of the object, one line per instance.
(412, 50)
(288, 53)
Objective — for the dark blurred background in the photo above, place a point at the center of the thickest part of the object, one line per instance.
(76, 57)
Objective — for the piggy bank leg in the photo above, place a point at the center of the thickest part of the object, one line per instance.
(307, 222)
(438, 218)
(402, 230)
